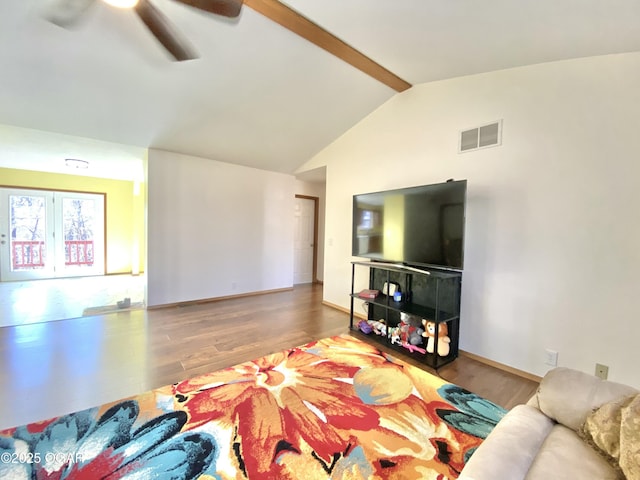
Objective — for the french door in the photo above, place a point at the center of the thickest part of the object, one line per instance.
(48, 234)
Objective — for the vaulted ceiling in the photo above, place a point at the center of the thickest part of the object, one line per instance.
(259, 94)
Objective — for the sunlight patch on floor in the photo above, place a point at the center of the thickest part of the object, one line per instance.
(37, 301)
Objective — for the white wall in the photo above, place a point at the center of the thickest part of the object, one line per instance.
(552, 250)
(216, 229)
(316, 189)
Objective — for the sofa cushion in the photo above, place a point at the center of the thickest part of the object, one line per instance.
(630, 440)
(569, 396)
(511, 446)
(564, 456)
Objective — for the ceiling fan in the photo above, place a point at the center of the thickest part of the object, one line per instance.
(65, 12)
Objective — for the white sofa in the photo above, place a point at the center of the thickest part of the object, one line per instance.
(540, 440)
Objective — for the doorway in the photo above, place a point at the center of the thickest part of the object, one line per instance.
(305, 239)
(50, 234)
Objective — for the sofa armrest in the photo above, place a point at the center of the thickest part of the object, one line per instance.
(511, 447)
(568, 396)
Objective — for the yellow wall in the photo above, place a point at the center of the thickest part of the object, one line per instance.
(125, 230)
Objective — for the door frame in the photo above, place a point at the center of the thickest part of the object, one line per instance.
(316, 201)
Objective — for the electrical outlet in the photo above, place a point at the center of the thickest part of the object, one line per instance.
(602, 371)
(551, 357)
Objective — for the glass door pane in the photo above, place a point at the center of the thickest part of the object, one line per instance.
(26, 235)
(81, 245)
(28, 224)
(77, 220)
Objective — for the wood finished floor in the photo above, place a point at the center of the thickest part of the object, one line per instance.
(53, 368)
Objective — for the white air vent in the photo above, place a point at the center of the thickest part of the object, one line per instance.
(481, 137)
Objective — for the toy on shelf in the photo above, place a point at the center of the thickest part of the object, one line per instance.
(443, 337)
(415, 336)
(394, 336)
(364, 327)
(413, 348)
(378, 326)
(410, 330)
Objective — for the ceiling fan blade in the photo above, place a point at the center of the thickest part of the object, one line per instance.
(65, 13)
(162, 29)
(226, 8)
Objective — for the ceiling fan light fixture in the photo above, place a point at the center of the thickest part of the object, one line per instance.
(121, 3)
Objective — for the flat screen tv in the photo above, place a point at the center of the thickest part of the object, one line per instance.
(421, 226)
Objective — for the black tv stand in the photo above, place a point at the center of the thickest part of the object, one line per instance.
(428, 293)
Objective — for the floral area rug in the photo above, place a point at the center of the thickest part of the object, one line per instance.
(336, 408)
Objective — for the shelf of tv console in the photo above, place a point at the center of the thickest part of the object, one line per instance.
(428, 359)
(415, 309)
